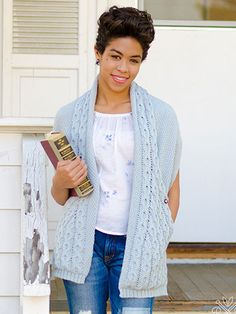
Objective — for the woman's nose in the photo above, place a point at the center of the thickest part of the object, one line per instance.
(122, 67)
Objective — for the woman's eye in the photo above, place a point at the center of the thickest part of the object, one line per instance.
(134, 60)
(115, 57)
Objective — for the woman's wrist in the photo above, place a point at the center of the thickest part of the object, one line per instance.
(59, 193)
(56, 185)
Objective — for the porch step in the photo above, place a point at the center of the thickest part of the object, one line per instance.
(194, 250)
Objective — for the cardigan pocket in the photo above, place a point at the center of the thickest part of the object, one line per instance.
(169, 222)
(168, 235)
(68, 230)
(168, 210)
(68, 209)
(65, 221)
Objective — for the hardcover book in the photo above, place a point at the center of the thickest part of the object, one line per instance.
(57, 147)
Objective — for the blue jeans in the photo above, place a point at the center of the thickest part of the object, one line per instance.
(102, 282)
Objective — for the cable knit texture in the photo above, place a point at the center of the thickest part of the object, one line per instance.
(157, 151)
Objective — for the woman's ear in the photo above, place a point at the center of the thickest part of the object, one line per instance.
(97, 53)
(97, 56)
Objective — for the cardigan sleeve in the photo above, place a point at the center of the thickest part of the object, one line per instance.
(169, 144)
(177, 155)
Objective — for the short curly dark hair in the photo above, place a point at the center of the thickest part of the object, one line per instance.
(123, 22)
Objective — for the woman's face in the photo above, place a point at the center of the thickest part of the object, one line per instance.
(119, 64)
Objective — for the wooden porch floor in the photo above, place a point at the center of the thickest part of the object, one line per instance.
(191, 287)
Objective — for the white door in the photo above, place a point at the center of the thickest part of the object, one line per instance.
(193, 69)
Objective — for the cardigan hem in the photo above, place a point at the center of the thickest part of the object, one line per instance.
(124, 292)
(64, 274)
(146, 293)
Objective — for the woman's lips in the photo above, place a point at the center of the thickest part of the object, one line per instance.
(119, 79)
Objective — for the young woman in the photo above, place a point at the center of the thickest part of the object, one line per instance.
(112, 243)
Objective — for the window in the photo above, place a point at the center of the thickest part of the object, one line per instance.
(45, 26)
(191, 10)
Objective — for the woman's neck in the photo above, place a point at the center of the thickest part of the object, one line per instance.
(107, 97)
(110, 102)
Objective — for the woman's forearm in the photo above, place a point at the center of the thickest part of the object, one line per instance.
(60, 195)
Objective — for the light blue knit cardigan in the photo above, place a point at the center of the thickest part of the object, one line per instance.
(157, 152)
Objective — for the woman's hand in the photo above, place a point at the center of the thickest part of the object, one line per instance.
(69, 174)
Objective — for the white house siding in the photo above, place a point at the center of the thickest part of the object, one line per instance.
(10, 222)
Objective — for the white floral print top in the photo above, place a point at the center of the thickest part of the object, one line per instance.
(113, 143)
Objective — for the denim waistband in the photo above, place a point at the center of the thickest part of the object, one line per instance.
(111, 235)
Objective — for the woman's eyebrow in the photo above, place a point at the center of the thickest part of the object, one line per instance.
(120, 53)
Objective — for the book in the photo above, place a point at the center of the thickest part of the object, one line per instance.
(57, 147)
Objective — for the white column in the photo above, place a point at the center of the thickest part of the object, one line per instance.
(35, 254)
(36, 305)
